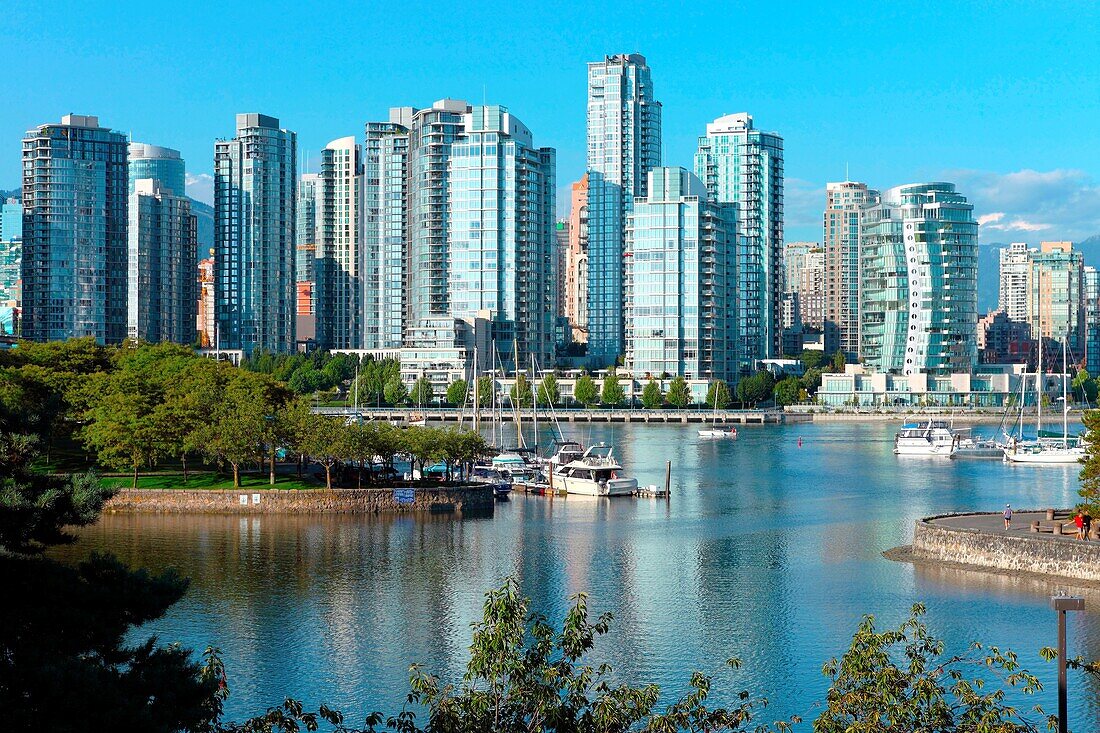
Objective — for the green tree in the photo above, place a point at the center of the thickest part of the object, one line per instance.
(486, 388)
(1084, 387)
(68, 659)
(520, 393)
(679, 394)
(241, 421)
(722, 391)
(839, 362)
(326, 440)
(757, 388)
(902, 679)
(652, 397)
(811, 380)
(549, 392)
(787, 391)
(423, 394)
(424, 444)
(396, 393)
(1090, 472)
(456, 392)
(122, 427)
(585, 392)
(812, 359)
(612, 393)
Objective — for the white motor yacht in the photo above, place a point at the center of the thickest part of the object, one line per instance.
(595, 473)
(928, 438)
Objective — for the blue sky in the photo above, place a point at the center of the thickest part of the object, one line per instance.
(1003, 98)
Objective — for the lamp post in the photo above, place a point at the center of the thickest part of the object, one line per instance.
(1062, 603)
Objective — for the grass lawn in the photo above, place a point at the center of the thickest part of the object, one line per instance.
(210, 481)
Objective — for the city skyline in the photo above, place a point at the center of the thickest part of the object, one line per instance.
(839, 99)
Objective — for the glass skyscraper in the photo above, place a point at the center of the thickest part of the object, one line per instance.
(840, 231)
(431, 133)
(1056, 297)
(1092, 320)
(162, 286)
(502, 241)
(305, 235)
(624, 144)
(74, 231)
(340, 256)
(743, 166)
(919, 301)
(255, 192)
(160, 164)
(11, 221)
(683, 318)
(386, 229)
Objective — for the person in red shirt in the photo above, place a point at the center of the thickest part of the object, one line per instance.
(1080, 522)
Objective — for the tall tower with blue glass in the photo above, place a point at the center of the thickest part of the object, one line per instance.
(502, 242)
(74, 231)
(255, 193)
(743, 166)
(624, 144)
(160, 164)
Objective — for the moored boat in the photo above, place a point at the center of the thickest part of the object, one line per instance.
(927, 438)
(596, 473)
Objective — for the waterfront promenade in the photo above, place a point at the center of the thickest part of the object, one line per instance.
(621, 415)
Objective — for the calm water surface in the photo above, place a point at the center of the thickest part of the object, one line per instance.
(768, 551)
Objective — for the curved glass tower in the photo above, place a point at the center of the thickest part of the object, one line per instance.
(160, 164)
(920, 292)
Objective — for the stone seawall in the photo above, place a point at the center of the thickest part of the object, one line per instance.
(304, 501)
(1037, 554)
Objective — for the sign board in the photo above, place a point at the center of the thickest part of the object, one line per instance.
(244, 499)
(404, 496)
(255, 498)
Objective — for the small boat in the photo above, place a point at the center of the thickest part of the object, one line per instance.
(717, 432)
(596, 473)
(501, 481)
(416, 419)
(928, 438)
(967, 447)
(1046, 450)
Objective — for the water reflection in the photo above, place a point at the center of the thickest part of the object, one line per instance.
(767, 550)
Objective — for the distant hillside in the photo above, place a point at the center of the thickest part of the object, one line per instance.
(205, 215)
(15, 193)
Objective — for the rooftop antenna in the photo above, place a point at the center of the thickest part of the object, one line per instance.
(846, 178)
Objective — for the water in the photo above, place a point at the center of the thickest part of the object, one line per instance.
(768, 551)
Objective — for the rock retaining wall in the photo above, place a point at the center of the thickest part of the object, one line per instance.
(307, 501)
(1020, 553)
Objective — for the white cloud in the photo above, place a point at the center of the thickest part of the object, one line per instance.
(1060, 204)
(201, 187)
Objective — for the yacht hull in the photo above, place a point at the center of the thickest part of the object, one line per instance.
(587, 487)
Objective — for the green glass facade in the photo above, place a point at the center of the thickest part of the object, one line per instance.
(919, 284)
(160, 164)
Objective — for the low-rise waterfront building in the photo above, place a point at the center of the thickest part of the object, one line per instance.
(858, 387)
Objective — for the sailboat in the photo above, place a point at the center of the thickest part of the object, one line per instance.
(1048, 450)
(714, 431)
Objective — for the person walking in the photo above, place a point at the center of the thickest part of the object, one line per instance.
(1086, 526)
(1079, 522)
(1008, 516)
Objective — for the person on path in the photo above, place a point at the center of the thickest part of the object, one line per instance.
(1008, 516)
(1087, 527)
(1079, 521)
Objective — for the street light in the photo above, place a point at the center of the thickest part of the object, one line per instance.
(1062, 603)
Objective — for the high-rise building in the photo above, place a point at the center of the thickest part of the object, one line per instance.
(576, 262)
(561, 263)
(502, 243)
(160, 164)
(1015, 264)
(11, 221)
(1056, 297)
(804, 273)
(386, 229)
(432, 131)
(684, 311)
(744, 166)
(1002, 340)
(11, 255)
(205, 320)
(624, 144)
(255, 192)
(840, 232)
(1092, 320)
(919, 251)
(162, 284)
(74, 231)
(340, 257)
(305, 233)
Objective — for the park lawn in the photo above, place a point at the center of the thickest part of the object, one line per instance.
(210, 481)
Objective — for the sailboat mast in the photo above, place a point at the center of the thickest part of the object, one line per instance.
(1065, 397)
(477, 397)
(535, 402)
(1039, 368)
(519, 400)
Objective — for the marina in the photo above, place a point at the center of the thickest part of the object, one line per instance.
(765, 546)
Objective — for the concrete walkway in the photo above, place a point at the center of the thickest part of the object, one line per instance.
(1021, 524)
